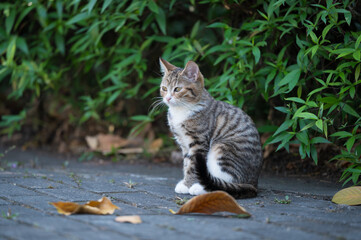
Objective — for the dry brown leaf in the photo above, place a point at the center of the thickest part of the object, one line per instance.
(155, 145)
(349, 196)
(135, 219)
(92, 142)
(101, 207)
(130, 150)
(212, 202)
(106, 143)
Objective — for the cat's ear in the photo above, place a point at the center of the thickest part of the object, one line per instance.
(191, 71)
(165, 66)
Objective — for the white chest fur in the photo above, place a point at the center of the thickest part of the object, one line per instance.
(178, 115)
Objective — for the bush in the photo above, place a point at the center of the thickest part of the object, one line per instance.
(94, 60)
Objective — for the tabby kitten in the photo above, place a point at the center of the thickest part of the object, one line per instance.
(219, 142)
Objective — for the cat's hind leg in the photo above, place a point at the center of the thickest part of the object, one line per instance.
(197, 189)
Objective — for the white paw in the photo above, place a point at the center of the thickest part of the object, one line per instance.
(196, 189)
(181, 188)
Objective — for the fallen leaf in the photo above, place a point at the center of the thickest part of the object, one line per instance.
(106, 143)
(101, 207)
(349, 196)
(155, 145)
(130, 150)
(92, 142)
(135, 219)
(212, 202)
(172, 211)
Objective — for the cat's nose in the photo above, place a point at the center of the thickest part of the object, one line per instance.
(168, 98)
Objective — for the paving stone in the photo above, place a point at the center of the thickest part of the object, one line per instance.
(71, 194)
(3, 202)
(8, 190)
(144, 199)
(36, 183)
(310, 214)
(37, 202)
(28, 232)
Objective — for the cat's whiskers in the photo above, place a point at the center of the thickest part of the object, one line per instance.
(157, 105)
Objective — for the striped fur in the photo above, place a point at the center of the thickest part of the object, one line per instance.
(219, 142)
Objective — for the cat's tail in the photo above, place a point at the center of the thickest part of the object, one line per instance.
(211, 183)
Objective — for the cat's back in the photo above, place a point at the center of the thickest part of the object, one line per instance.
(230, 122)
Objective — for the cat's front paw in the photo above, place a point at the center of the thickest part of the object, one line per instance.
(181, 188)
(197, 189)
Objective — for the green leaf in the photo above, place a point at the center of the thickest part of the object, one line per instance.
(283, 109)
(314, 154)
(306, 115)
(343, 52)
(341, 134)
(9, 21)
(350, 142)
(326, 30)
(308, 126)
(316, 140)
(91, 5)
(10, 52)
(114, 96)
(77, 18)
(152, 5)
(161, 20)
(141, 118)
(23, 15)
(106, 4)
(303, 137)
(358, 40)
(314, 37)
(319, 124)
(357, 72)
(195, 30)
(284, 126)
(59, 8)
(21, 44)
(218, 25)
(295, 99)
(352, 92)
(348, 109)
(256, 53)
(291, 79)
(59, 41)
(356, 55)
(348, 17)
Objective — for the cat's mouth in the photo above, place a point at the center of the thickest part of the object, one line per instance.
(170, 101)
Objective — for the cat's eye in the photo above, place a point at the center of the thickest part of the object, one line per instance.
(177, 89)
(164, 88)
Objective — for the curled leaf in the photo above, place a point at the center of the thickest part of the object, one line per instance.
(101, 207)
(349, 196)
(135, 219)
(212, 202)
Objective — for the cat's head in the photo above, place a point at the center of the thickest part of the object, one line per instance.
(179, 86)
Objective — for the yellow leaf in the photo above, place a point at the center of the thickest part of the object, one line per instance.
(212, 202)
(135, 219)
(171, 211)
(349, 196)
(101, 207)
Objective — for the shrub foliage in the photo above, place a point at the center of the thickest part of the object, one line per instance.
(301, 59)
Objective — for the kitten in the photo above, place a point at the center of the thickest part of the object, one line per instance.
(219, 142)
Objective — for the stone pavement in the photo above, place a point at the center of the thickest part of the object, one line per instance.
(27, 190)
